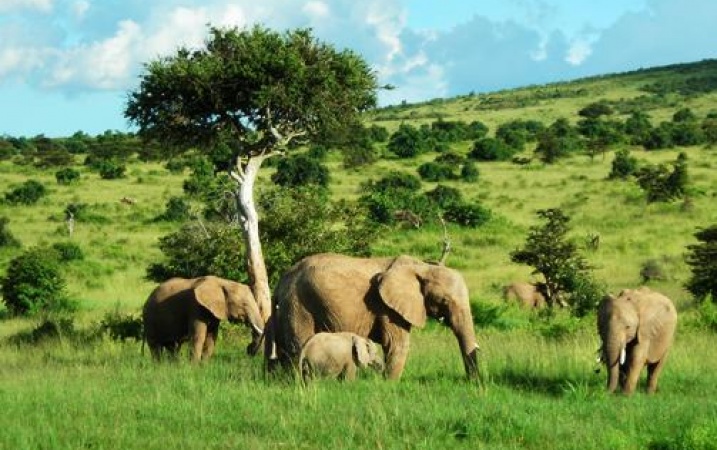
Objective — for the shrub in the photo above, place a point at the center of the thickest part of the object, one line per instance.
(67, 176)
(176, 210)
(434, 171)
(28, 193)
(68, 251)
(407, 142)
(662, 185)
(378, 133)
(7, 239)
(359, 156)
(33, 284)
(469, 172)
(470, 215)
(444, 196)
(392, 181)
(623, 165)
(300, 170)
(702, 259)
(111, 170)
(121, 327)
(491, 149)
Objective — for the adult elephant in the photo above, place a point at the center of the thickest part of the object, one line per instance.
(377, 298)
(181, 309)
(528, 295)
(637, 328)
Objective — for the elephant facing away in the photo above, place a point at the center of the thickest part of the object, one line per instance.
(181, 309)
(377, 298)
(338, 355)
(528, 295)
(636, 328)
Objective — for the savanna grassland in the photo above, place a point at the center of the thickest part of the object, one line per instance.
(539, 388)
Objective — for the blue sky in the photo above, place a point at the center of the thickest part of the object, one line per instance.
(67, 65)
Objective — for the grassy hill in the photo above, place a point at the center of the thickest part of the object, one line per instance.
(540, 391)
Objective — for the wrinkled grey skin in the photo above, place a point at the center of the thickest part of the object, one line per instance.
(338, 355)
(181, 309)
(377, 298)
(637, 329)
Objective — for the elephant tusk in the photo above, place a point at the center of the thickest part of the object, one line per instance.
(622, 356)
(257, 329)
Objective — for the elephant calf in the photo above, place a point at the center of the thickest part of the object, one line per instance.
(528, 295)
(181, 309)
(338, 355)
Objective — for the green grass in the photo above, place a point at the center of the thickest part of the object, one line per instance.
(540, 390)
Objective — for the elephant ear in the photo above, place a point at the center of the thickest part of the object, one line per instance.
(210, 294)
(400, 289)
(359, 349)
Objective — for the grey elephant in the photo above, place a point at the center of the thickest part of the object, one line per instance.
(338, 355)
(636, 328)
(182, 309)
(377, 298)
(528, 295)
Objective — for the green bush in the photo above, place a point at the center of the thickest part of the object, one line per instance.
(67, 176)
(470, 172)
(470, 215)
(68, 251)
(34, 284)
(435, 171)
(300, 170)
(491, 149)
(623, 165)
(176, 210)
(359, 156)
(121, 327)
(445, 196)
(662, 184)
(407, 142)
(702, 259)
(111, 170)
(28, 193)
(7, 239)
(393, 181)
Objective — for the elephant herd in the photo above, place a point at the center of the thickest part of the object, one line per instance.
(330, 311)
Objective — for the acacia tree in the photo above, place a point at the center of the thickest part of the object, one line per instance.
(260, 90)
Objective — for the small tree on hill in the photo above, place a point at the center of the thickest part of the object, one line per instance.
(261, 91)
(549, 251)
(702, 258)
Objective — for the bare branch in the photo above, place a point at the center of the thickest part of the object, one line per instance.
(446, 243)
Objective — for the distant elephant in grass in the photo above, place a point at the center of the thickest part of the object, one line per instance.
(181, 309)
(377, 298)
(637, 329)
(338, 355)
(528, 295)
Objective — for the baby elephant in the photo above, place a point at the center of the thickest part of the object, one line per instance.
(338, 355)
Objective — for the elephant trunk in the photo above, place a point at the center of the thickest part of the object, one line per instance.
(462, 327)
(614, 357)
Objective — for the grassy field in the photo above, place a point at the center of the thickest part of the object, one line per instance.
(539, 388)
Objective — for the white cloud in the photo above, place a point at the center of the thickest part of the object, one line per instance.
(18, 60)
(578, 52)
(80, 8)
(44, 6)
(316, 10)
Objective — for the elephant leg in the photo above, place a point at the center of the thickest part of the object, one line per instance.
(210, 341)
(653, 374)
(350, 372)
(635, 365)
(199, 336)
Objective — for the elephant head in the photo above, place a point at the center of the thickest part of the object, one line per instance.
(229, 300)
(416, 290)
(636, 329)
(366, 354)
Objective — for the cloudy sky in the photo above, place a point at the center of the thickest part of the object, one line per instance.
(67, 65)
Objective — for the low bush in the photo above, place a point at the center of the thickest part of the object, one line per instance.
(28, 193)
(68, 251)
(7, 239)
(67, 176)
(121, 327)
(470, 215)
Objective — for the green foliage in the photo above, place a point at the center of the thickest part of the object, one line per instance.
(516, 133)
(7, 239)
(659, 137)
(378, 133)
(121, 327)
(446, 131)
(50, 328)
(197, 250)
(662, 184)
(176, 210)
(300, 170)
(68, 251)
(67, 176)
(558, 141)
(595, 110)
(393, 181)
(436, 171)
(82, 212)
(471, 215)
(548, 250)
(702, 259)
(623, 165)
(469, 172)
(34, 284)
(638, 128)
(111, 169)
(298, 222)
(709, 131)
(201, 180)
(491, 149)
(445, 196)
(407, 141)
(253, 84)
(28, 193)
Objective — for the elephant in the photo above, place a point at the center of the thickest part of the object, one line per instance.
(528, 295)
(180, 309)
(377, 298)
(338, 355)
(636, 328)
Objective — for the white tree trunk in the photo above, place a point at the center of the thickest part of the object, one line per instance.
(256, 267)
